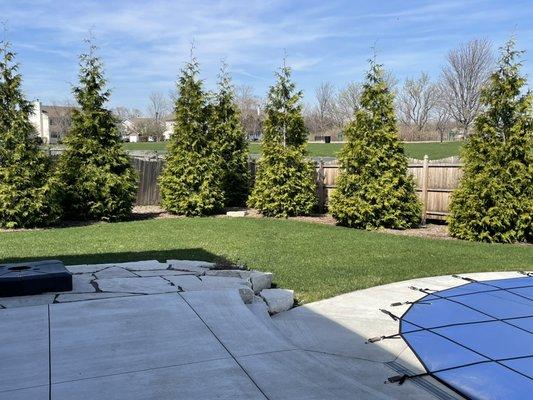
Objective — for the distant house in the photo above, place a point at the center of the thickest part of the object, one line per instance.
(140, 129)
(51, 123)
(169, 127)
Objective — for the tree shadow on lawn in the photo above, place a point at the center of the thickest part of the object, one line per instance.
(117, 257)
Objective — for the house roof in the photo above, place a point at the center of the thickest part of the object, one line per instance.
(48, 109)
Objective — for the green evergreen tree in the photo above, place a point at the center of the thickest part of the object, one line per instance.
(374, 188)
(191, 183)
(494, 200)
(284, 184)
(28, 196)
(230, 141)
(96, 176)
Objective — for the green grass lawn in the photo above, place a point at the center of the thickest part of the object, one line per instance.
(317, 261)
(415, 150)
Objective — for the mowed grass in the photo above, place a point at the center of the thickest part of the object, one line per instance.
(435, 151)
(317, 261)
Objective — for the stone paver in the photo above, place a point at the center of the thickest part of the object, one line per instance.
(82, 284)
(148, 265)
(149, 285)
(67, 297)
(162, 272)
(87, 268)
(200, 267)
(114, 272)
(189, 282)
(260, 280)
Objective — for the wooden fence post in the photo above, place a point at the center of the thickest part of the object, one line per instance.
(425, 178)
(320, 178)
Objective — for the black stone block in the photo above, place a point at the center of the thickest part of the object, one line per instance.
(23, 279)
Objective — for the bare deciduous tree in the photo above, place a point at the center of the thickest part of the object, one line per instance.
(325, 106)
(124, 113)
(441, 115)
(60, 117)
(250, 107)
(467, 70)
(158, 108)
(416, 102)
(348, 102)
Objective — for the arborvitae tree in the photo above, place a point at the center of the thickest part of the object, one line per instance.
(96, 176)
(494, 201)
(27, 193)
(374, 188)
(230, 141)
(284, 184)
(191, 183)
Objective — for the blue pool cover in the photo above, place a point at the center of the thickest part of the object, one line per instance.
(476, 338)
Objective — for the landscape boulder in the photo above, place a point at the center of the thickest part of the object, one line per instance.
(278, 300)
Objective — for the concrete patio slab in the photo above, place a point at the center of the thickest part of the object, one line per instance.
(23, 348)
(239, 330)
(301, 375)
(149, 285)
(34, 393)
(27, 301)
(219, 379)
(113, 336)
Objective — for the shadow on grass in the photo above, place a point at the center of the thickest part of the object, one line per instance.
(104, 258)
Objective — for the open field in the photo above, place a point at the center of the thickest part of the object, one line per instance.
(414, 150)
(317, 261)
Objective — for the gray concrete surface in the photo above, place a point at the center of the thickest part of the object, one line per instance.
(23, 347)
(203, 343)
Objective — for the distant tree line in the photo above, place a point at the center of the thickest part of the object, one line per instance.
(426, 109)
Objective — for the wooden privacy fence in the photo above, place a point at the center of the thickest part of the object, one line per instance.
(435, 180)
(149, 170)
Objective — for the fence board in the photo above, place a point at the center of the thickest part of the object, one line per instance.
(441, 178)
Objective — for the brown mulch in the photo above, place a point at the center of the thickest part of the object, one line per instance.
(435, 231)
(155, 212)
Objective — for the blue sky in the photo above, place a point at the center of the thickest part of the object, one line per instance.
(144, 43)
